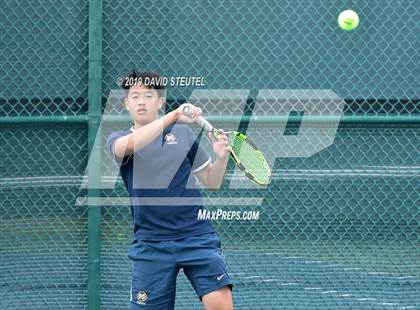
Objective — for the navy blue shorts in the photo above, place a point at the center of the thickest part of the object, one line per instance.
(156, 266)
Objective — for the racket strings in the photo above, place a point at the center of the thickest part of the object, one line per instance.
(251, 159)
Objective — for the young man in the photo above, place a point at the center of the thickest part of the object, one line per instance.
(157, 158)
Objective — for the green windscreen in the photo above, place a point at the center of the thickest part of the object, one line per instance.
(339, 229)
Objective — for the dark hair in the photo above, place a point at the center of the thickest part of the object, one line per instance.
(138, 78)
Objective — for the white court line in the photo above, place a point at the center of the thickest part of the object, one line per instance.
(394, 276)
(406, 277)
(292, 257)
(338, 293)
(273, 253)
(347, 295)
(329, 292)
(395, 167)
(333, 265)
(367, 299)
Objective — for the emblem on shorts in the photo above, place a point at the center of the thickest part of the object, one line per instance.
(141, 297)
(170, 139)
(220, 277)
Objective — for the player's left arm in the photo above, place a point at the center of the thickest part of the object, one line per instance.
(212, 175)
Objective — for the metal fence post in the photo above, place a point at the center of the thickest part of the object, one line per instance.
(94, 173)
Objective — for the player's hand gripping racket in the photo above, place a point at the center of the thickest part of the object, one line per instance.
(244, 153)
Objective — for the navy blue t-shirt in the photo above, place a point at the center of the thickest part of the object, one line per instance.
(160, 180)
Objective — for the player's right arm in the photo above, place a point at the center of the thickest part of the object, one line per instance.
(141, 137)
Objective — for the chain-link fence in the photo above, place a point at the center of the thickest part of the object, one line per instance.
(339, 229)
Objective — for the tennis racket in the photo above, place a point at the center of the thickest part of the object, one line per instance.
(245, 154)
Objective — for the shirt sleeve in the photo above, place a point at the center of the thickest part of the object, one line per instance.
(112, 138)
(197, 154)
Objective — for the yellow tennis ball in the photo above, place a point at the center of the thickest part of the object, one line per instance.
(348, 20)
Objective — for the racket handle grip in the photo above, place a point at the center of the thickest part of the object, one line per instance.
(200, 120)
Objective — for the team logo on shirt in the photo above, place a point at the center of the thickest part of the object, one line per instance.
(141, 297)
(170, 139)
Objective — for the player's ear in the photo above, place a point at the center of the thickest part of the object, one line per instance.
(126, 103)
(161, 101)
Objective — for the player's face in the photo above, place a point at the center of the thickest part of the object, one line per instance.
(143, 104)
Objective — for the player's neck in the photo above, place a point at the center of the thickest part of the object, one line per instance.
(138, 125)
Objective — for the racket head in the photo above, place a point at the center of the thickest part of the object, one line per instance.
(249, 158)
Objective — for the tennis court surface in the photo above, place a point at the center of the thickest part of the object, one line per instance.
(338, 228)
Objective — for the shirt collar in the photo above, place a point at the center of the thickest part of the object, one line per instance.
(169, 128)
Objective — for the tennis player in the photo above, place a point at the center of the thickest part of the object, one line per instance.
(160, 160)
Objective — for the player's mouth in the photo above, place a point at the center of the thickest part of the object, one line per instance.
(141, 111)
